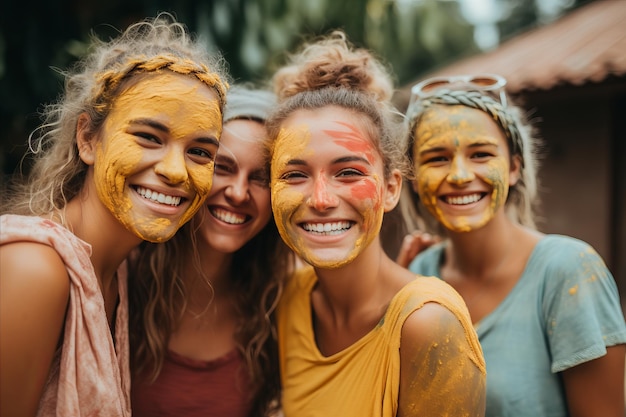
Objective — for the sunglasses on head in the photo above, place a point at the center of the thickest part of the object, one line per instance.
(483, 82)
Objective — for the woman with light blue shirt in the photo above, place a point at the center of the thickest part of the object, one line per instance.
(545, 307)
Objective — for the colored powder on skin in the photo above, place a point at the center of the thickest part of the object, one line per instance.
(367, 190)
(292, 143)
(185, 106)
(372, 220)
(372, 217)
(320, 191)
(283, 202)
(288, 143)
(353, 141)
(433, 132)
(152, 228)
(427, 364)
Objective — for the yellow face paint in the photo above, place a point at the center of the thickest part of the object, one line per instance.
(154, 160)
(462, 165)
(286, 200)
(327, 186)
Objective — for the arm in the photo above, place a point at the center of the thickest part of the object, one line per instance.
(34, 294)
(412, 245)
(583, 315)
(439, 369)
(596, 388)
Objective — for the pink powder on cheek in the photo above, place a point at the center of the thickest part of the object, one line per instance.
(365, 190)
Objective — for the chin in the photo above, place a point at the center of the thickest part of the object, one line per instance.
(156, 238)
(226, 248)
(329, 263)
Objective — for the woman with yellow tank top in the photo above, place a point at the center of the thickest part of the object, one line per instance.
(358, 334)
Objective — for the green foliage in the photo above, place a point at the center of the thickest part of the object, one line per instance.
(413, 36)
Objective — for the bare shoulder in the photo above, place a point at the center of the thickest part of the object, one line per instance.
(439, 359)
(33, 302)
(30, 268)
(430, 322)
(434, 330)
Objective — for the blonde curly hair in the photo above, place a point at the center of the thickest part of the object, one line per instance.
(91, 87)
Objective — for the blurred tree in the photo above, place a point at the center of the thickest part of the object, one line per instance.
(413, 36)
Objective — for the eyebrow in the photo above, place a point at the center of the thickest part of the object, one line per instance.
(351, 159)
(296, 162)
(483, 143)
(224, 158)
(152, 123)
(341, 160)
(163, 128)
(472, 145)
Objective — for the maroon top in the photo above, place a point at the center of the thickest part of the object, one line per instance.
(190, 388)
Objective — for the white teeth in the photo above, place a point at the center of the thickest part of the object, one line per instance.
(227, 216)
(466, 199)
(158, 197)
(327, 228)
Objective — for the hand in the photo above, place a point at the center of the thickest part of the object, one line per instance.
(413, 244)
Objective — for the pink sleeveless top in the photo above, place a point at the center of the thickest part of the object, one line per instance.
(90, 374)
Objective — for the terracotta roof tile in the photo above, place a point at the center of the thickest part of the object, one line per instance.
(586, 45)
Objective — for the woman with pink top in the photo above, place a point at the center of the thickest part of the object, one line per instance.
(125, 155)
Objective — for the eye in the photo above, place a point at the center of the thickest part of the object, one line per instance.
(482, 155)
(260, 177)
(223, 168)
(293, 176)
(261, 182)
(202, 155)
(147, 137)
(350, 172)
(435, 159)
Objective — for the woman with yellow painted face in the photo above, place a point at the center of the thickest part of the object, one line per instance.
(125, 155)
(358, 334)
(545, 307)
(202, 304)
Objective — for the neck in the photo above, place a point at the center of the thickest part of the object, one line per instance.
(215, 267)
(110, 241)
(366, 281)
(482, 250)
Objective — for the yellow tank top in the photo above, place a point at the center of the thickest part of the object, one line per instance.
(363, 379)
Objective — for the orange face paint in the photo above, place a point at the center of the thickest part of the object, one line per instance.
(154, 160)
(462, 166)
(327, 191)
(352, 140)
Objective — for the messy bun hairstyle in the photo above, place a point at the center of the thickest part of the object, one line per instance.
(332, 72)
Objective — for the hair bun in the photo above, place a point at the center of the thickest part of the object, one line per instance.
(333, 62)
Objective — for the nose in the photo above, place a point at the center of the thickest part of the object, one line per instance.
(322, 198)
(238, 192)
(172, 167)
(459, 173)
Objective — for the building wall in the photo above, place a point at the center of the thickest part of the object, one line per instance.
(576, 173)
(583, 171)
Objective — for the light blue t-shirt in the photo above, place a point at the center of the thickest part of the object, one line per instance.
(563, 311)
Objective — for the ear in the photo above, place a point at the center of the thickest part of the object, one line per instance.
(515, 171)
(394, 187)
(85, 139)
